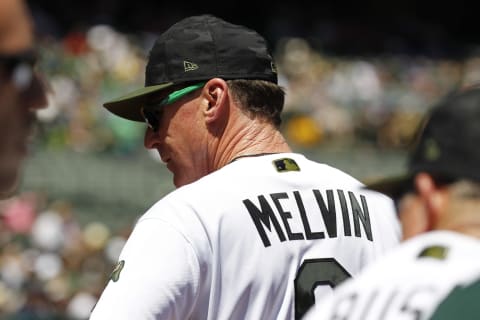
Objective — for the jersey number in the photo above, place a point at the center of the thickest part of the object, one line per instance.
(314, 273)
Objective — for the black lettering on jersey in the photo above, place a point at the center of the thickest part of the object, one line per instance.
(263, 216)
(285, 215)
(359, 215)
(328, 213)
(288, 209)
(346, 219)
(303, 214)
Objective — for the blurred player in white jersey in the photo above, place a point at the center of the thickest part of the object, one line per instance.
(253, 230)
(439, 209)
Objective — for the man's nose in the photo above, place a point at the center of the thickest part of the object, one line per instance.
(151, 138)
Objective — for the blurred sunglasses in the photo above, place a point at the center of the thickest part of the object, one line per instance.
(151, 113)
(19, 68)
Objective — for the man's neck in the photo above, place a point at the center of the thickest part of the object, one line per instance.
(254, 139)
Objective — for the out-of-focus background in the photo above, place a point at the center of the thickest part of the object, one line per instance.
(359, 77)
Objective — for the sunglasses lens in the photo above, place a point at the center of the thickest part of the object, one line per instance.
(152, 113)
(20, 69)
(151, 118)
(22, 76)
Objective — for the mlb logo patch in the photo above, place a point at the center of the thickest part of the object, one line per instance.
(438, 252)
(286, 164)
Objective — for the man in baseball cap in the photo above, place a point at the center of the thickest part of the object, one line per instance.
(253, 230)
(439, 208)
(446, 146)
(195, 50)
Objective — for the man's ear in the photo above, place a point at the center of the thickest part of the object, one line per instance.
(413, 216)
(215, 100)
(434, 198)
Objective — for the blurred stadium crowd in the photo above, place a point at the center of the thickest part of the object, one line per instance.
(372, 98)
(53, 267)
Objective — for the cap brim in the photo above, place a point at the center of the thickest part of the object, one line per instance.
(129, 106)
(392, 187)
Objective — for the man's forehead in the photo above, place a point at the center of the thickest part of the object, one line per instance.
(15, 27)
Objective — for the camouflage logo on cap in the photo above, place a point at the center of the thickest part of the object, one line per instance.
(432, 150)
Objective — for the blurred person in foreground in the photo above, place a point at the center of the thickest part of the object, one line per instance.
(253, 230)
(439, 209)
(21, 91)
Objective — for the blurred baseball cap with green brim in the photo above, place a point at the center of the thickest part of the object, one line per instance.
(198, 48)
(446, 144)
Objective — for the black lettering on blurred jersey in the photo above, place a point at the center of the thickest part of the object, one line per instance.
(347, 304)
(385, 303)
(289, 207)
(391, 297)
(369, 302)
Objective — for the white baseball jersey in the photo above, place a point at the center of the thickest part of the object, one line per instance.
(408, 283)
(249, 241)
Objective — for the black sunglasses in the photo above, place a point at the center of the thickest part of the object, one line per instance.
(11, 61)
(152, 112)
(152, 117)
